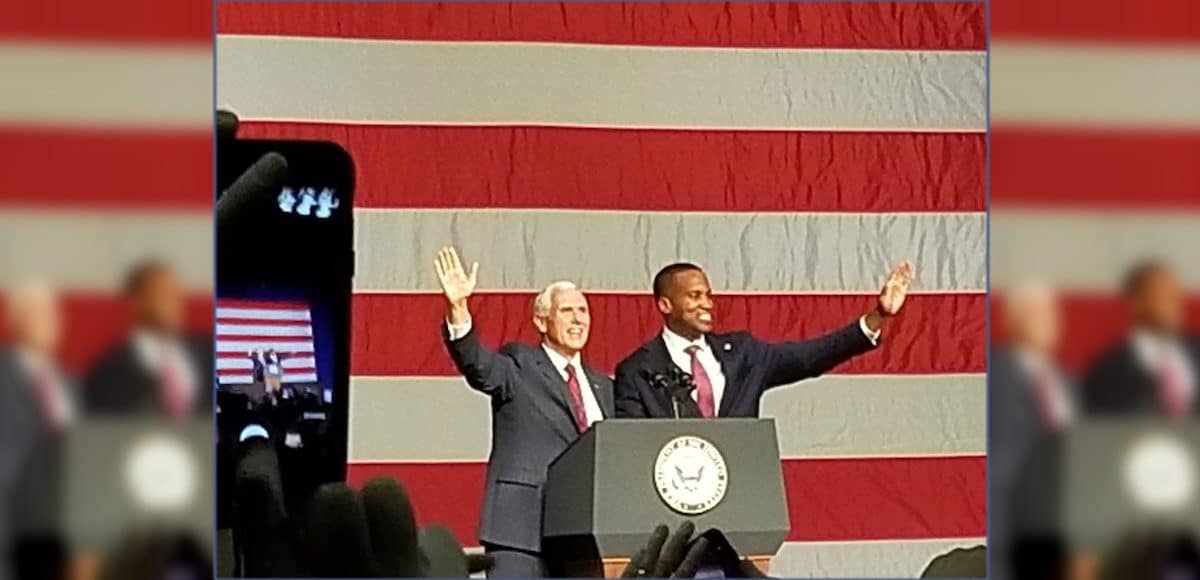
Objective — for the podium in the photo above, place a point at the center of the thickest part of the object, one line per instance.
(606, 493)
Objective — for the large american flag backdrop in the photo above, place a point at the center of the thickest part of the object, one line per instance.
(794, 150)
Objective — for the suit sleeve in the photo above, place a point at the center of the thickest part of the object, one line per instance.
(486, 371)
(627, 392)
(788, 362)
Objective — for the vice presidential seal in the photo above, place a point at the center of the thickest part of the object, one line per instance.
(690, 475)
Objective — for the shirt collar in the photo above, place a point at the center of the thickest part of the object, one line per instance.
(32, 362)
(678, 343)
(559, 361)
(1151, 348)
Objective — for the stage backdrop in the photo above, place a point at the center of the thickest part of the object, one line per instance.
(794, 150)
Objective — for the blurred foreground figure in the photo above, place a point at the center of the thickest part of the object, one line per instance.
(1152, 371)
(36, 405)
(1030, 400)
(158, 368)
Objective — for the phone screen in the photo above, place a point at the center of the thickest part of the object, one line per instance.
(283, 312)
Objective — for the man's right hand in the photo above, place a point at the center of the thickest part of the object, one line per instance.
(457, 284)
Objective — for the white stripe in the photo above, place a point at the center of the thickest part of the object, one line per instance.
(831, 417)
(264, 330)
(766, 253)
(1089, 250)
(79, 84)
(92, 250)
(1095, 85)
(490, 83)
(243, 363)
(241, 346)
(247, 379)
(878, 559)
(262, 314)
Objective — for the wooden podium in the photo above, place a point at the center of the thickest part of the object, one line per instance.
(608, 491)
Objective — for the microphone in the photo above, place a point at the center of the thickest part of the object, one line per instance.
(260, 182)
(675, 382)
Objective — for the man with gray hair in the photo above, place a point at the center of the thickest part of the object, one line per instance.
(36, 405)
(543, 398)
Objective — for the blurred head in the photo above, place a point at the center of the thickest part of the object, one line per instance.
(1033, 317)
(156, 297)
(561, 315)
(684, 297)
(1155, 298)
(34, 320)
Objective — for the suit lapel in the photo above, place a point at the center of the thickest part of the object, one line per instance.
(727, 355)
(564, 419)
(660, 359)
(602, 389)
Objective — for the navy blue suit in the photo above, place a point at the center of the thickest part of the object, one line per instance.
(532, 424)
(750, 366)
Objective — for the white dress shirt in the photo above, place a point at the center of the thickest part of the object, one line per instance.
(1153, 352)
(677, 347)
(36, 366)
(591, 406)
(1039, 368)
(154, 351)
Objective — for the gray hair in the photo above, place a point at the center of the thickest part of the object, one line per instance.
(541, 304)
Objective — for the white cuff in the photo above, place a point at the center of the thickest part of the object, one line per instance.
(872, 335)
(458, 331)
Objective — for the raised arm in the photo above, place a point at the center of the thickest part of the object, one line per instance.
(796, 360)
(485, 370)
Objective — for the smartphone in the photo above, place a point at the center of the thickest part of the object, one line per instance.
(282, 321)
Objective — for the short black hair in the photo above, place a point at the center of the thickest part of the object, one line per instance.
(142, 271)
(1136, 276)
(664, 276)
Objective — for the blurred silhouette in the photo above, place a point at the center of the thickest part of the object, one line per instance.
(959, 563)
(1153, 370)
(1030, 400)
(1152, 555)
(36, 406)
(157, 554)
(668, 556)
(159, 368)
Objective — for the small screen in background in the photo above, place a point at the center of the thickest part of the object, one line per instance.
(318, 202)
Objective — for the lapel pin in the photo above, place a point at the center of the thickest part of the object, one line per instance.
(728, 347)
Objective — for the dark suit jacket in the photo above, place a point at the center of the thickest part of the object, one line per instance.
(751, 366)
(1015, 430)
(531, 425)
(118, 383)
(30, 459)
(1118, 384)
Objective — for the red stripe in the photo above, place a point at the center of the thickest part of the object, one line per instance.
(126, 170)
(1161, 21)
(1092, 324)
(828, 500)
(264, 322)
(398, 334)
(882, 25)
(1095, 169)
(526, 167)
(246, 372)
(263, 304)
(92, 323)
(292, 341)
(124, 22)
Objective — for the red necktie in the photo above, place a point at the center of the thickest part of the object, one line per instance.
(576, 393)
(704, 390)
(1171, 383)
(174, 398)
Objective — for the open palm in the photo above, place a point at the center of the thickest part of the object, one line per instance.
(457, 284)
(895, 290)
